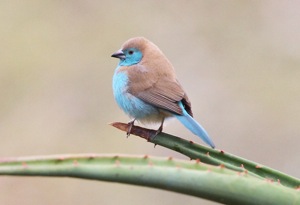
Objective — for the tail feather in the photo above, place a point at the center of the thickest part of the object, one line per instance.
(194, 127)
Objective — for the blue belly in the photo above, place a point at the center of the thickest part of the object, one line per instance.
(131, 105)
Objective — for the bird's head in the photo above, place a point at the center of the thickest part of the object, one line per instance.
(128, 56)
(132, 51)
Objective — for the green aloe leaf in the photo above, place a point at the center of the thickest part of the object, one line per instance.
(188, 177)
(211, 156)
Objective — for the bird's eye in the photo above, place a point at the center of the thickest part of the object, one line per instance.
(130, 52)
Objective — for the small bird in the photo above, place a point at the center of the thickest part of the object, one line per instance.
(146, 88)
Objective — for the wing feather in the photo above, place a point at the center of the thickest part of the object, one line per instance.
(163, 94)
(158, 89)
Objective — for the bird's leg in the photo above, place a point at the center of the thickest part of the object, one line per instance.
(159, 129)
(130, 124)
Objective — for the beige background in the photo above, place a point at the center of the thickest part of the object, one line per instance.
(239, 61)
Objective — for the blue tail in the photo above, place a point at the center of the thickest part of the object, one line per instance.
(194, 126)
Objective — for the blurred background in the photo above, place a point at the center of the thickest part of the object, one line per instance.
(239, 62)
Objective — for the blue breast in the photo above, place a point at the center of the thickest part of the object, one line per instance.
(130, 104)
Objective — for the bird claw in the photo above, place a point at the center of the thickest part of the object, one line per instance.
(130, 124)
(157, 132)
(127, 134)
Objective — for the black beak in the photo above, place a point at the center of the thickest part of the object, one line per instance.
(119, 54)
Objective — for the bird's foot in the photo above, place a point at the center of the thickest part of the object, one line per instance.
(152, 137)
(130, 124)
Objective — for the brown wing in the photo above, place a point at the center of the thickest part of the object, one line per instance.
(165, 94)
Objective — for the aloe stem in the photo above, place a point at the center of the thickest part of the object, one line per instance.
(211, 156)
(189, 177)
